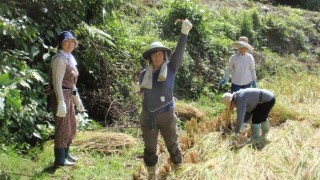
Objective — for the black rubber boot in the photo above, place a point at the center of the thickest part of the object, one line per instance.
(60, 159)
(69, 156)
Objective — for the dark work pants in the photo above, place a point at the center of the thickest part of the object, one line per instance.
(262, 111)
(235, 88)
(165, 123)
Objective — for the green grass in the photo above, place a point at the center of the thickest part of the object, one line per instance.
(91, 165)
(293, 151)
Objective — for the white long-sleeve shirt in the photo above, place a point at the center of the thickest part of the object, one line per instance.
(59, 64)
(241, 68)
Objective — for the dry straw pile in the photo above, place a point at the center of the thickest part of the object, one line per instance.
(104, 142)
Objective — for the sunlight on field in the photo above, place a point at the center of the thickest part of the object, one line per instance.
(293, 152)
(298, 92)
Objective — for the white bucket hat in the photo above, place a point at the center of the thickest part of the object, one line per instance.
(242, 42)
(226, 99)
(155, 46)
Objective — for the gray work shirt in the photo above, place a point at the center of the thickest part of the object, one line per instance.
(161, 94)
(246, 100)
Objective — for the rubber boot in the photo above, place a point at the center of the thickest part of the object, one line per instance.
(69, 156)
(265, 127)
(151, 172)
(60, 159)
(255, 132)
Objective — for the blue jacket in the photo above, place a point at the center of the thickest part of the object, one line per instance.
(161, 94)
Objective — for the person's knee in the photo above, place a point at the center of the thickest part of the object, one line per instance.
(150, 157)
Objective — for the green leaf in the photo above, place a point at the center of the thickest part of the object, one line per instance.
(37, 76)
(37, 135)
(50, 33)
(2, 104)
(45, 46)
(46, 56)
(34, 51)
(24, 84)
(5, 80)
(13, 85)
(14, 99)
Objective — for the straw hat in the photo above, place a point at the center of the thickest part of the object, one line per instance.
(226, 99)
(155, 46)
(242, 42)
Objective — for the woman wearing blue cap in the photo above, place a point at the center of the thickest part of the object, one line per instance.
(64, 78)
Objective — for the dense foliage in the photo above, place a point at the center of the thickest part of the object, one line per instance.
(112, 35)
(308, 4)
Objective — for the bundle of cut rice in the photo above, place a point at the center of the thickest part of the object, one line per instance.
(104, 142)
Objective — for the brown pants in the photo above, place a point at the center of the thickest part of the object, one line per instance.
(165, 122)
(65, 127)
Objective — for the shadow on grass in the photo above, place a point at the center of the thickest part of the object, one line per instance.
(51, 169)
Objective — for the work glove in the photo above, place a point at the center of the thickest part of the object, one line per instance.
(254, 84)
(135, 87)
(62, 109)
(186, 26)
(222, 82)
(238, 140)
(77, 101)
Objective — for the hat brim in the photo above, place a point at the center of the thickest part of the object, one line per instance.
(147, 53)
(75, 40)
(240, 44)
(226, 99)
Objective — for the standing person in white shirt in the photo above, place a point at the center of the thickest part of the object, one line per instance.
(241, 67)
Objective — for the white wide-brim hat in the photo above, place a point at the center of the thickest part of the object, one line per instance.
(226, 99)
(242, 42)
(155, 46)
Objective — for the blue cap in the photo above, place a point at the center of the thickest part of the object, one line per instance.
(65, 35)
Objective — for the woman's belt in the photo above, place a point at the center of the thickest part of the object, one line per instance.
(74, 91)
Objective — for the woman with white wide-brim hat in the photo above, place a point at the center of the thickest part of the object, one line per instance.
(241, 67)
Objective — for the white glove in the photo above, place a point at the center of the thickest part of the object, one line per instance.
(186, 26)
(135, 87)
(62, 109)
(77, 101)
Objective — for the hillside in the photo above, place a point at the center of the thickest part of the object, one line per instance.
(108, 142)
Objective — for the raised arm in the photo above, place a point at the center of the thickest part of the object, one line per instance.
(177, 55)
